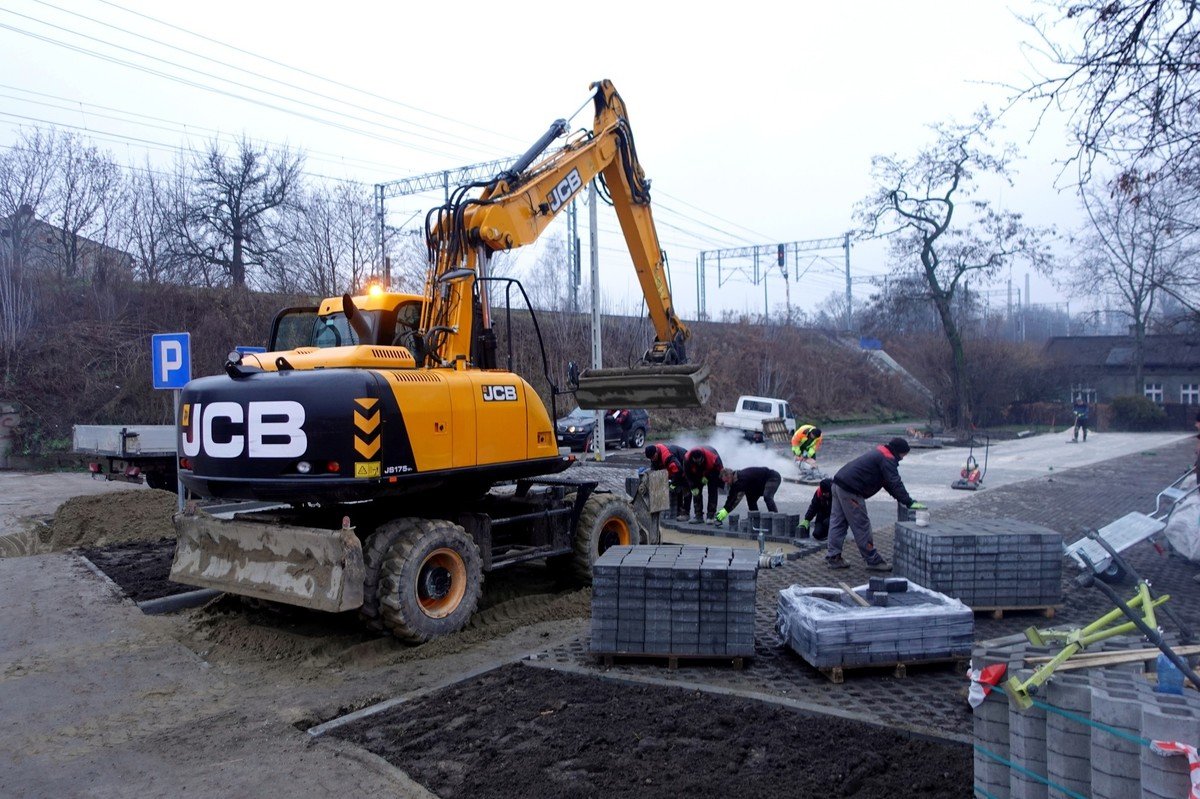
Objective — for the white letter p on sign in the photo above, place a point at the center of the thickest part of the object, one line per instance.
(172, 359)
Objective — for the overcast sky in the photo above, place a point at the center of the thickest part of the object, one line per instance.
(756, 124)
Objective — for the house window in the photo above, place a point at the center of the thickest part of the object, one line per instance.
(1088, 394)
(1189, 393)
(1154, 392)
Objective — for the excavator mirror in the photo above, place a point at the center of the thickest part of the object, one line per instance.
(456, 274)
(572, 374)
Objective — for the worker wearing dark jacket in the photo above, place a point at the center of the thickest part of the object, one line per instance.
(853, 484)
(669, 457)
(702, 467)
(755, 482)
(816, 518)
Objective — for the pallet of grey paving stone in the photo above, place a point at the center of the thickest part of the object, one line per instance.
(990, 564)
(674, 601)
(832, 633)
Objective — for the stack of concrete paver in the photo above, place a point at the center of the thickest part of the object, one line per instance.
(1086, 732)
(674, 600)
(987, 563)
(828, 629)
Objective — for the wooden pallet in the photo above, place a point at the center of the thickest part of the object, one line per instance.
(997, 612)
(837, 674)
(776, 430)
(672, 661)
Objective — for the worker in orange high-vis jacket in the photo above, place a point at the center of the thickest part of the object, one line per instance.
(806, 443)
(702, 467)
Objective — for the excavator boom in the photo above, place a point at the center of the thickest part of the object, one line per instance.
(513, 210)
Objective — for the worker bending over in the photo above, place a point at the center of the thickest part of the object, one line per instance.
(816, 518)
(806, 442)
(702, 467)
(670, 458)
(754, 482)
(853, 484)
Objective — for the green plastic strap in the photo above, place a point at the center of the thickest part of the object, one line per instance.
(1044, 780)
(983, 793)
(1128, 736)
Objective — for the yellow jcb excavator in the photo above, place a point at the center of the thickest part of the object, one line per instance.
(409, 464)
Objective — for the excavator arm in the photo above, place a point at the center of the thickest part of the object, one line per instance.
(513, 210)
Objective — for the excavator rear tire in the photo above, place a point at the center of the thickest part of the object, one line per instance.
(430, 580)
(606, 520)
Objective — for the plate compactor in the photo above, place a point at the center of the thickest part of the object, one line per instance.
(971, 476)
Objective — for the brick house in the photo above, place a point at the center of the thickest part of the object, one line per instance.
(31, 245)
(1101, 368)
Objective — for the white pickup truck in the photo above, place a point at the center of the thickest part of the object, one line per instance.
(751, 412)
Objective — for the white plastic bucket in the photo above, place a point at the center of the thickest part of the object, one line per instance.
(921, 518)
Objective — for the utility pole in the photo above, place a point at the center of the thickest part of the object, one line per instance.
(574, 267)
(1025, 310)
(597, 359)
(1012, 328)
(849, 291)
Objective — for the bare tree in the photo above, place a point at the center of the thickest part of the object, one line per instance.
(148, 226)
(332, 247)
(81, 205)
(924, 205)
(1132, 252)
(1129, 75)
(26, 172)
(234, 207)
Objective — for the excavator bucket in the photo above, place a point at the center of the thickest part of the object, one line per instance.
(305, 566)
(682, 386)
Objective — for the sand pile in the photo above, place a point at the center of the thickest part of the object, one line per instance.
(103, 519)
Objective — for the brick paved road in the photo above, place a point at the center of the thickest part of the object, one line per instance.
(930, 699)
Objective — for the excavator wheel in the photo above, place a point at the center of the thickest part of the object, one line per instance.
(430, 580)
(607, 520)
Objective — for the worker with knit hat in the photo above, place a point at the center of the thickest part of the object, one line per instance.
(853, 484)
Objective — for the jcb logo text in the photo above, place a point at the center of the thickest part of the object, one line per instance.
(565, 190)
(260, 430)
(499, 393)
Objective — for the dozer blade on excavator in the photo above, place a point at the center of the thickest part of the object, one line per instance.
(682, 386)
(305, 566)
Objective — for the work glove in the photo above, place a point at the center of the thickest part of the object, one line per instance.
(695, 492)
(918, 506)
(722, 514)
(796, 450)
(672, 486)
(703, 481)
(805, 524)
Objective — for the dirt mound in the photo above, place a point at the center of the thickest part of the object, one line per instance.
(232, 630)
(103, 519)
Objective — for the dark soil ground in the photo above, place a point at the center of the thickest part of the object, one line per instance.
(525, 731)
(140, 568)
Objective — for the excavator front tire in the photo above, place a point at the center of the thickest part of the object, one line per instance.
(429, 581)
(606, 521)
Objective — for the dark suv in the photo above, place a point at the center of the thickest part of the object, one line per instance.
(621, 428)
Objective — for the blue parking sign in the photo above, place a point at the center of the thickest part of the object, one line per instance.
(171, 357)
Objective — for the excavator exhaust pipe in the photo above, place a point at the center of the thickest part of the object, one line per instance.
(683, 386)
